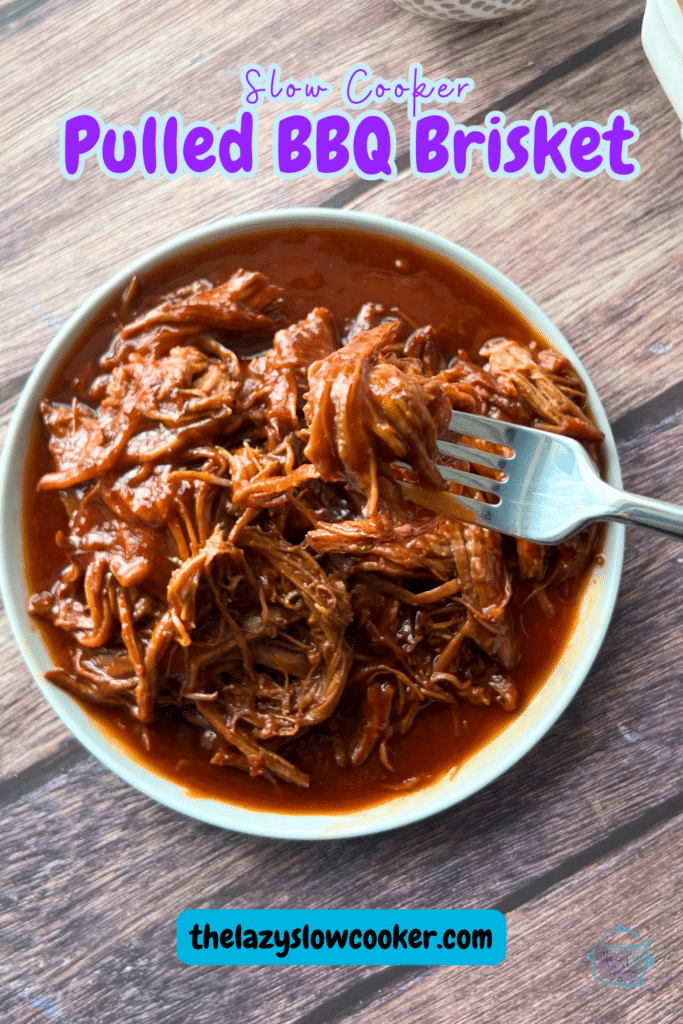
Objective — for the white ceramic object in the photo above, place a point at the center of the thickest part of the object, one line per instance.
(662, 37)
(524, 730)
(465, 10)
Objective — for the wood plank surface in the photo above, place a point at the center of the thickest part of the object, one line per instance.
(94, 874)
(123, 59)
(602, 258)
(615, 753)
(57, 224)
(620, 295)
(546, 974)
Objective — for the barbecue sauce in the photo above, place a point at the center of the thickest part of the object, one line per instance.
(340, 270)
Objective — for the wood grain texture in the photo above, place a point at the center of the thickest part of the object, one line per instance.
(104, 906)
(94, 874)
(123, 59)
(602, 258)
(94, 225)
(546, 974)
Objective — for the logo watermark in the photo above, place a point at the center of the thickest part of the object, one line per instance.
(621, 957)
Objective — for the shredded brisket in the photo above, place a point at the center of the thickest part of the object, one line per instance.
(237, 546)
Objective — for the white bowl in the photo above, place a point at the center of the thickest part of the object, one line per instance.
(662, 37)
(524, 730)
(465, 10)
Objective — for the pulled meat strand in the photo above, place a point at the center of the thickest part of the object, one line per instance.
(237, 546)
(366, 410)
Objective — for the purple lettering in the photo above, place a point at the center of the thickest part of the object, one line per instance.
(149, 145)
(494, 147)
(124, 164)
(547, 147)
(312, 92)
(274, 70)
(291, 90)
(348, 94)
(171, 145)
(619, 134)
(79, 136)
(243, 138)
(198, 141)
(584, 142)
(430, 155)
(255, 89)
(444, 89)
(293, 155)
(379, 162)
(331, 132)
(419, 87)
(462, 140)
(520, 154)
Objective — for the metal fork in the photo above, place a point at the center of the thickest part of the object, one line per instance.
(551, 488)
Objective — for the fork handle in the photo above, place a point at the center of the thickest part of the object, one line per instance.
(661, 516)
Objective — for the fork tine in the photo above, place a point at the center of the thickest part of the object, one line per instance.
(473, 480)
(473, 455)
(465, 510)
(496, 431)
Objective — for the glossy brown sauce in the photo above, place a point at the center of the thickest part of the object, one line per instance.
(340, 270)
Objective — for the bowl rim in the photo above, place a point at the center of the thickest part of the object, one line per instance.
(662, 40)
(398, 811)
(673, 15)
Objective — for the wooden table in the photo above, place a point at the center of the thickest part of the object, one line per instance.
(586, 832)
